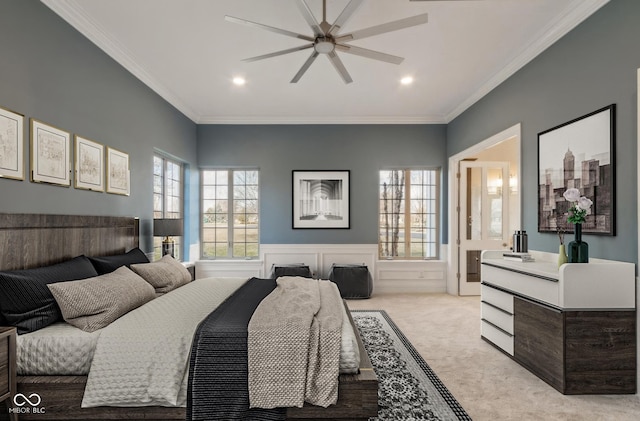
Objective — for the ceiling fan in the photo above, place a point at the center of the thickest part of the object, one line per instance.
(327, 39)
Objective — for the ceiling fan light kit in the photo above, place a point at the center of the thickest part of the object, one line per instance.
(327, 40)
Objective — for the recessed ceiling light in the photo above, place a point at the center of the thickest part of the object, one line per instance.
(407, 80)
(239, 81)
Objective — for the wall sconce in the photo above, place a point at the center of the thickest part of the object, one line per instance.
(513, 184)
(167, 228)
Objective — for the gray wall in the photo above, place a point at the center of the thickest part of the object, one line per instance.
(591, 67)
(278, 149)
(51, 72)
(54, 74)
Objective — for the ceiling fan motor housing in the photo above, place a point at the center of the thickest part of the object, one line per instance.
(324, 45)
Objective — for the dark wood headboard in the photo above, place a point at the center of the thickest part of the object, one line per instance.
(33, 240)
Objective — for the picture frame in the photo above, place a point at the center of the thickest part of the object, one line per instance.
(50, 154)
(89, 164)
(11, 144)
(321, 199)
(118, 173)
(578, 154)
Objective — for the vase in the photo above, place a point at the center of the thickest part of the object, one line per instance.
(578, 250)
(562, 255)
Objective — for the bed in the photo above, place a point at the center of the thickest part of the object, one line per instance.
(40, 240)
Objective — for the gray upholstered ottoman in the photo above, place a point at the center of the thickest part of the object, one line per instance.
(353, 281)
(295, 269)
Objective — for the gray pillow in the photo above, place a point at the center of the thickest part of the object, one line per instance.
(165, 275)
(91, 304)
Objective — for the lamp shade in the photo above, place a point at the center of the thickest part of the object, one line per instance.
(167, 227)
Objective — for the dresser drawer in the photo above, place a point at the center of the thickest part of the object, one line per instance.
(4, 351)
(497, 317)
(497, 298)
(4, 365)
(4, 380)
(496, 336)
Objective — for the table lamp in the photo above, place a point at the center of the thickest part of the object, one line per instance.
(167, 228)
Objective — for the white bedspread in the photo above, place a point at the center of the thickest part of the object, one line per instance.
(59, 349)
(142, 358)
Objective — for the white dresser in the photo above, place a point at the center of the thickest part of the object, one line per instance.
(573, 326)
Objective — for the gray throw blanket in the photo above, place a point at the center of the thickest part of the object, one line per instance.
(294, 345)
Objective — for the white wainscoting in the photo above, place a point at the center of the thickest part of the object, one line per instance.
(411, 276)
(389, 276)
(229, 269)
(319, 257)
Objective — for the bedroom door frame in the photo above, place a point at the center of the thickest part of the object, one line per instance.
(453, 266)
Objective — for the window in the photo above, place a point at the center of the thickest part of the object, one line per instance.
(167, 198)
(408, 226)
(230, 214)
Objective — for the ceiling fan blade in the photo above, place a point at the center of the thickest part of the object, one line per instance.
(344, 16)
(337, 63)
(268, 28)
(278, 53)
(311, 20)
(305, 66)
(385, 27)
(364, 52)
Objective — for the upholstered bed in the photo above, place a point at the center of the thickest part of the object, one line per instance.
(82, 376)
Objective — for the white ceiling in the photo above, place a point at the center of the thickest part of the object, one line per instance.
(186, 52)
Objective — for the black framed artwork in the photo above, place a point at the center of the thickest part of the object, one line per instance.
(320, 199)
(578, 154)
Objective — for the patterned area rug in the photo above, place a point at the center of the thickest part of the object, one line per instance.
(408, 389)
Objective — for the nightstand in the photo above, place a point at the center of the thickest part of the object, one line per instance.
(7, 367)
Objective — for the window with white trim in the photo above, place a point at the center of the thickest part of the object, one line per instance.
(230, 213)
(409, 216)
(167, 198)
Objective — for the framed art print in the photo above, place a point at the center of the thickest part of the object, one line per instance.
(50, 154)
(117, 172)
(11, 144)
(578, 154)
(89, 168)
(321, 199)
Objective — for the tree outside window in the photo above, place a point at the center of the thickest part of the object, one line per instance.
(230, 213)
(408, 223)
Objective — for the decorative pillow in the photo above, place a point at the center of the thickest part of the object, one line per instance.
(91, 304)
(107, 264)
(165, 275)
(25, 300)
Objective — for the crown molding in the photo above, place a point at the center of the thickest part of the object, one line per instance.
(575, 13)
(436, 119)
(73, 13)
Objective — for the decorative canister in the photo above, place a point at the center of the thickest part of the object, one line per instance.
(520, 242)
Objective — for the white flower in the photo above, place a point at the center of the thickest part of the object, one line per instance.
(572, 195)
(584, 203)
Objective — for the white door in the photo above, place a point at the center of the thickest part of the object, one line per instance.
(483, 217)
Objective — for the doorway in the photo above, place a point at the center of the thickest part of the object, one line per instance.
(484, 206)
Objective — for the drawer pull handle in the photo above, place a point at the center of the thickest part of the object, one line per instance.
(500, 329)
(497, 308)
